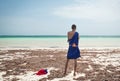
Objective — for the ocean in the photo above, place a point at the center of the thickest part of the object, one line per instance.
(57, 41)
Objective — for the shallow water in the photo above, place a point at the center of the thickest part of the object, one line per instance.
(57, 41)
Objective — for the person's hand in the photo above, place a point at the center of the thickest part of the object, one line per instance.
(74, 45)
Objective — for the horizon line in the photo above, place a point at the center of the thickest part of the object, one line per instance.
(58, 35)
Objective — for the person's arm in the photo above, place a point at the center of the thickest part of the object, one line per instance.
(68, 37)
(74, 44)
(78, 36)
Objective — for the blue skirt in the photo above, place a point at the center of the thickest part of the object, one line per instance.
(73, 53)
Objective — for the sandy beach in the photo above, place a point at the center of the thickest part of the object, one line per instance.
(94, 65)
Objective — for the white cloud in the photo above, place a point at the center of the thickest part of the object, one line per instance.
(96, 10)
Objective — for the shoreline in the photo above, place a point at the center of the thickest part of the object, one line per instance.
(58, 48)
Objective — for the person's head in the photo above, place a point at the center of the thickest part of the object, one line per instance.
(73, 27)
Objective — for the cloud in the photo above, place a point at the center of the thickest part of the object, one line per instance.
(96, 10)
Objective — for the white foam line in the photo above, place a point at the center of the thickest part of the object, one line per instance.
(89, 68)
(6, 57)
(31, 48)
(99, 51)
(107, 59)
(51, 56)
(1, 77)
(99, 47)
(118, 69)
(3, 51)
(14, 56)
(29, 76)
(69, 77)
(58, 48)
(109, 71)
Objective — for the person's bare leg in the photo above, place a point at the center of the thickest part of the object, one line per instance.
(75, 65)
(66, 65)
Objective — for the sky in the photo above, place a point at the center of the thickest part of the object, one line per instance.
(55, 17)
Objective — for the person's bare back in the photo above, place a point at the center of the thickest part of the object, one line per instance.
(70, 34)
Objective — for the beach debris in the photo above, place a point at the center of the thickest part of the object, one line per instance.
(24, 64)
(42, 72)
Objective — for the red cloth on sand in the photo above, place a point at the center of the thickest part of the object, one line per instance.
(42, 72)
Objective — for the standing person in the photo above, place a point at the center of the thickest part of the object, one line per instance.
(73, 51)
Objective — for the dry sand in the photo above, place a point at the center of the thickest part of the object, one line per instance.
(94, 65)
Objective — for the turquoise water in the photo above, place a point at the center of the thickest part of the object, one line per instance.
(57, 41)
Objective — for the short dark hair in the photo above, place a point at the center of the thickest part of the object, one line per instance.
(73, 26)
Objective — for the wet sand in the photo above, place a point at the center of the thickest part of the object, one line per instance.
(93, 65)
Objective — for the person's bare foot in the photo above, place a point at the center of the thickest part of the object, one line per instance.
(64, 74)
(74, 74)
